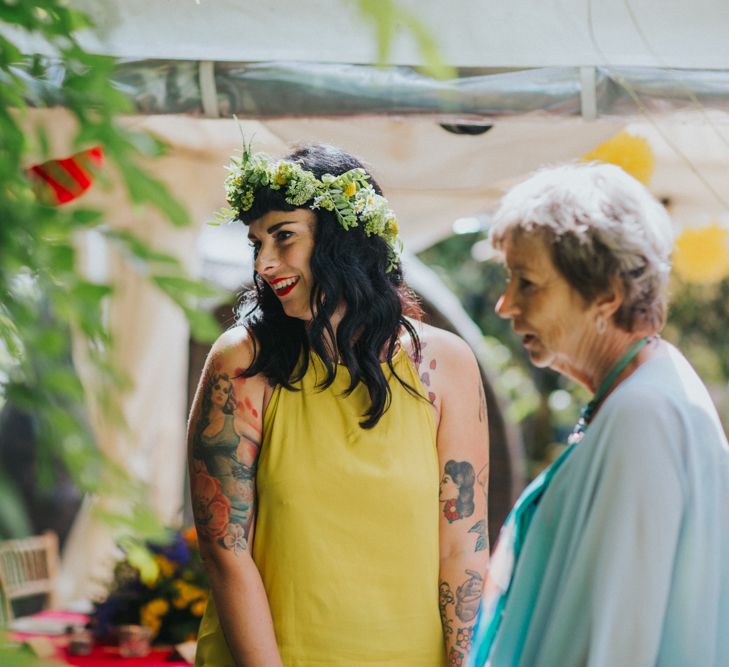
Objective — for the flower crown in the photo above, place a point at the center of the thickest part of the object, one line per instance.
(349, 195)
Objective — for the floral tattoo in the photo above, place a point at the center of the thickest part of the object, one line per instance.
(464, 637)
(455, 658)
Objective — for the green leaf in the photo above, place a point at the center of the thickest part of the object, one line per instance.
(91, 294)
(387, 16)
(141, 557)
(143, 188)
(181, 289)
(61, 257)
(85, 217)
(43, 142)
(63, 381)
(53, 342)
(14, 519)
(204, 328)
(139, 248)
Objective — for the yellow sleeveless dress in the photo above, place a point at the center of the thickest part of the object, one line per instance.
(346, 536)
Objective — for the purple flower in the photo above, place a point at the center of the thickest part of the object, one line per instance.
(175, 550)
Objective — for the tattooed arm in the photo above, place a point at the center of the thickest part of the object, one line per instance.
(224, 438)
(459, 400)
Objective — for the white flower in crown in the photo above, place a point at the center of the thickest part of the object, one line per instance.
(360, 203)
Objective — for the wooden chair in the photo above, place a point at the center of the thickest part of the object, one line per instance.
(28, 567)
(6, 611)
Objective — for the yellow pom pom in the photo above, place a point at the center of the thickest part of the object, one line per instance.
(702, 255)
(631, 153)
(349, 189)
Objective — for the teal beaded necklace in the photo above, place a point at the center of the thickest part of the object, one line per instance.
(587, 412)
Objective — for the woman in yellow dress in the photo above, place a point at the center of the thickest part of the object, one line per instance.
(318, 498)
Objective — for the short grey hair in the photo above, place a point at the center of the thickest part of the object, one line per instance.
(600, 223)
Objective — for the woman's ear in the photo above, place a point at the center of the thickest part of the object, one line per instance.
(612, 298)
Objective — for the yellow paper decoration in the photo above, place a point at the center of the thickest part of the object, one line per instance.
(631, 153)
(702, 255)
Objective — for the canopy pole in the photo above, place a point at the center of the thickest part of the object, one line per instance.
(208, 91)
(588, 93)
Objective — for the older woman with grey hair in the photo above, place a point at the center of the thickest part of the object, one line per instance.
(618, 553)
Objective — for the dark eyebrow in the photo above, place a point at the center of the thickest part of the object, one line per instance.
(274, 228)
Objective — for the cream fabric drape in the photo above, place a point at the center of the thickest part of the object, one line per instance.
(151, 343)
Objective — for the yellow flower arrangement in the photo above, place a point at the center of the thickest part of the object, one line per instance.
(198, 608)
(167, 594)
(166, 566)
(151, 615)
(187, 594)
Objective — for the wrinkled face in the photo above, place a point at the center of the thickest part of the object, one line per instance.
(282, 244)
(552, 318)
(221, 391)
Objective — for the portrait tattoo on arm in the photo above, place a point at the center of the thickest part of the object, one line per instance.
(223, 467)
(456, 490)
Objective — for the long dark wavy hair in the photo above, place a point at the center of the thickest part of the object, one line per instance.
(347, 266)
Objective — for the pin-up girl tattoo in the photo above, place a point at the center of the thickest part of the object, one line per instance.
(223, 493)
(456, 490)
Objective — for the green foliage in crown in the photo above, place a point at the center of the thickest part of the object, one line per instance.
(350, 196)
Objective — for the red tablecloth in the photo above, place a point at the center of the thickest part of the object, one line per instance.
(101, 656)
(108, 656)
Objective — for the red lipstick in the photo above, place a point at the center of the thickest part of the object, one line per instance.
(283, 291)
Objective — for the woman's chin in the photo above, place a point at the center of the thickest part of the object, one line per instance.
(539, 357)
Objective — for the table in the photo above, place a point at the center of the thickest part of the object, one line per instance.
(101, 656)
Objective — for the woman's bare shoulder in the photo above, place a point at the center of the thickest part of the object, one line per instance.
(233, 350)
(436, 343)
(445, 365)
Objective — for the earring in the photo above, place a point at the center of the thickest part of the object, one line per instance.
(600, 325)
